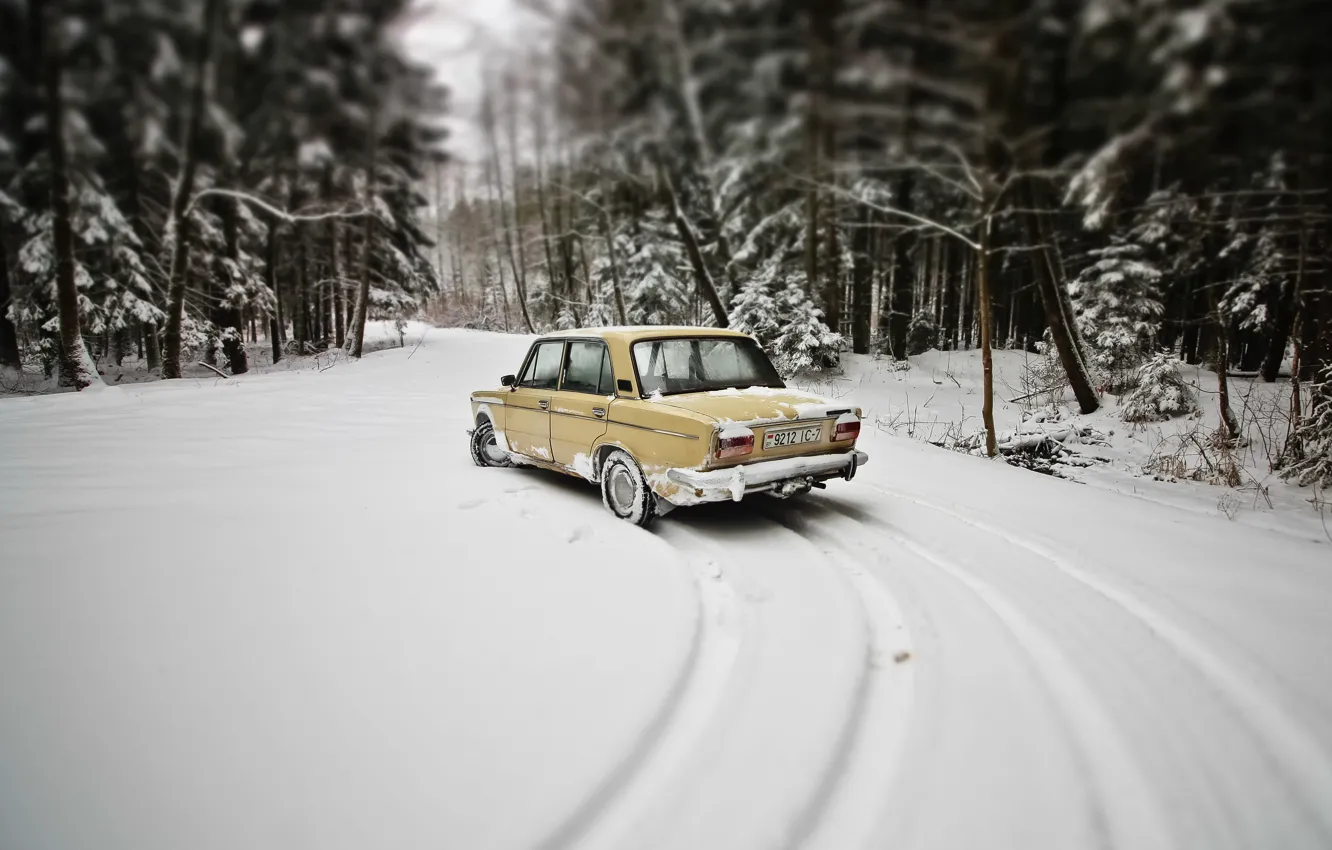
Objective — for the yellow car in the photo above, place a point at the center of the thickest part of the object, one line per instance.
(662, 417)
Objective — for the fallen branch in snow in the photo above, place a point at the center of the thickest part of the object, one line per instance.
(1030, 395)
(219, 372)
(418, 343)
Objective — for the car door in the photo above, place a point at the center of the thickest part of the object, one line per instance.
(526, 410)
(578, 409)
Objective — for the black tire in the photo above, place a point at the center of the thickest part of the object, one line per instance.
(625, 491)
(485, 447)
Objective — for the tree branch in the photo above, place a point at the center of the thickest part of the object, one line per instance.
(941, 228)
(275, 212)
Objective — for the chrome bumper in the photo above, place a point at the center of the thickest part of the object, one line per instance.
(784, 475)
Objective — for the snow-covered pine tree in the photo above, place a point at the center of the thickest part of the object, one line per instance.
(658, 284)
(754, 310)
(1159, 392)
(1312, 441)
(1118, 309)
(803, 343)
(1261, 248)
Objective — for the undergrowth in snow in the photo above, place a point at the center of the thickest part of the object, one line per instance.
(1167, 459)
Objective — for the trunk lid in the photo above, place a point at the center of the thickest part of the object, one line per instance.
(765, 411)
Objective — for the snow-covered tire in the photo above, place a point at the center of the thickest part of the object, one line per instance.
(485, 448)
(625, 491)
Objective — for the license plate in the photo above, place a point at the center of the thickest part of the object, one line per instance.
(791, 437)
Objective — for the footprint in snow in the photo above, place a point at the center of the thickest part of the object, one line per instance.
(471, 503)
(579, 533)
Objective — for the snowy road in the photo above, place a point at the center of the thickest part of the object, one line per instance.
(287, 611)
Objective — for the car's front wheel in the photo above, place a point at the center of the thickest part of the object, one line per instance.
(486, 450)
(625, 490)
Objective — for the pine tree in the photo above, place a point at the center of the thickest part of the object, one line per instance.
(75, 364)
(1118, 310)
(1159, 392)
(804, 343)
(1313, 439)
(754, 310)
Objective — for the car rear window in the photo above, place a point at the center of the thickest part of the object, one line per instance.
(699, 364)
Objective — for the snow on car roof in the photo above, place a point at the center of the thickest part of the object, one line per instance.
(634, 332)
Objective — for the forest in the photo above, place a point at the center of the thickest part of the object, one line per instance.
(1122, 185)
(178, 177)
(1125, 184)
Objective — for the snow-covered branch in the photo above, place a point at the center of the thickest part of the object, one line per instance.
(888, 210)
(275, 212)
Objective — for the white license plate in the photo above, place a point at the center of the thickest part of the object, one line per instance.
(791, 437)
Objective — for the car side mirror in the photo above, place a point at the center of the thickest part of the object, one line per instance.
(508, 380)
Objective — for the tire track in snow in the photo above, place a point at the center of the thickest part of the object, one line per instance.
(608, 814)
(1126, 815)
(747, 772)
(845, 806)
(1297, 754)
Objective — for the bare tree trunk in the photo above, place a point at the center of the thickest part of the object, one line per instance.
(1056, 318)
(300, 306)
(228, 314)
(330, 295)
(520, 271)
(76, 370)
(495, 241)
(497, 174)
(608, 233)
(862, 284)
(502, 228)
(983, 305)
(270, 273)
(339, 316)
(439, 233)
(566, 232)
(701, 274)
(1228, 421)
(539, 130)
(1294, 449)
(9, 350)
(899, 300)
(189, 155)
(356, 333)
(588, 296)
(461, 203)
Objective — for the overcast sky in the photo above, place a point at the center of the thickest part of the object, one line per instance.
(455, 36)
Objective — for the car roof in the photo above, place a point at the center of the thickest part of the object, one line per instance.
(633, 333)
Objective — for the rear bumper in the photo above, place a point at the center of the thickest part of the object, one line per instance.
(782, 476)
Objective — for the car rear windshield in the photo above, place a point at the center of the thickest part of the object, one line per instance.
(699, 364)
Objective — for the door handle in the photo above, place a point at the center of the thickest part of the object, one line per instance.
(598, 411)
(543, 404)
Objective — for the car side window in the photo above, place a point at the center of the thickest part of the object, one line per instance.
(607, 383)
(583, 367)
(543, 370)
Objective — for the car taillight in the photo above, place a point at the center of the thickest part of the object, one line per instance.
(735, 446)
(846, 430)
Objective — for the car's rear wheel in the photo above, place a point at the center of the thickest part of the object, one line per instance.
(486, 450)
(625, 491)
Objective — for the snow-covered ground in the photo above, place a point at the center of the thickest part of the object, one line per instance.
(285, 610)
(939, 398)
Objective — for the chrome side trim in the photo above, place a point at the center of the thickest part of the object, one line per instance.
(577, 416)
(654, 430)
(476, 400)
